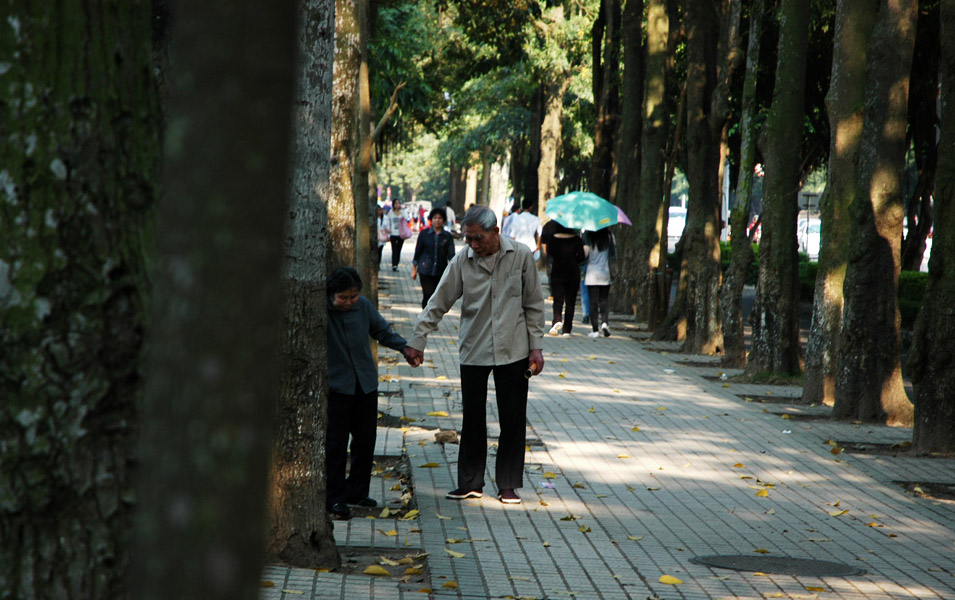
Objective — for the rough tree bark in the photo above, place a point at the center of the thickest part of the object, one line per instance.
(869, 381)
(853, 28)
(299, 530)
(930, 361)
(742, 256)
(551, 130)
(212, 365)
(776, 311)
(79, 170)
(625, 293)
(695, 316)
(345, 137)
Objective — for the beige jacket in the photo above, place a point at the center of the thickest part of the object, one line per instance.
(502, 307)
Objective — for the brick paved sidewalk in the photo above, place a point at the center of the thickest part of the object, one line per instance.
(640, 459)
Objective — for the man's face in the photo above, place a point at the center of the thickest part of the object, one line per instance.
(482, 242)
(437, 221)
(345, 301)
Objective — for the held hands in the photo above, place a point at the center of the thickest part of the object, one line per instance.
(535, 363)
(414, 271)
(414, 356)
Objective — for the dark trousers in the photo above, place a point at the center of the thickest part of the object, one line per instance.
(511, 388)
(356, 416)
(599, 301)
(396, 244)
(378, 256)
(428, 284)
(565, 300)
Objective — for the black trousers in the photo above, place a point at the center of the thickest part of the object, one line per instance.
(378, 256)
(356, 416)
(599, 305)
(565, 300)
(428, 284)
(511, 388)
(396, 244)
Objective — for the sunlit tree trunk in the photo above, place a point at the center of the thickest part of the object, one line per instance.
(731, 291)
(930, 361)
(299, 530)
(776, 311)
(869, 380)
(550, 129)
(212, 365)
(345, 137)
(79, 179)
(853, 28)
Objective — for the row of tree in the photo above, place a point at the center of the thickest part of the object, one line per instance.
(712, 87)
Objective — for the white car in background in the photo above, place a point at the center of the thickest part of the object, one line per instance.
(675, 225)
(808, 235)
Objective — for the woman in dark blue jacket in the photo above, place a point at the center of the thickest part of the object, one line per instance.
(434, 251)
(352, 389)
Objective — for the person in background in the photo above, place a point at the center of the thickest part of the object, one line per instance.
(502, 329)
(526, 229)
(435, 248)
(352, 389)
(564, 251)
(451, 220)
(598, 247)
(394, 219)
(382, 234)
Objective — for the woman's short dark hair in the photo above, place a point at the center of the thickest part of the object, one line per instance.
(342, 279)
(438, 211)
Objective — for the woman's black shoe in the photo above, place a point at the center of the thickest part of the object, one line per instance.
(340, 510)
(365, 502)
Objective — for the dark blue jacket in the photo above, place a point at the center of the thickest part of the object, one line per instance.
(349, 351)
(433, 252)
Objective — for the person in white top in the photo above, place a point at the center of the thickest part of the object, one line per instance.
(393, 224)
(525, 228)
(452, 220)
(599, 248)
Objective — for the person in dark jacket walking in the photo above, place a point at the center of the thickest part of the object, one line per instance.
(435, 248)
(565, 252)
(352, 389)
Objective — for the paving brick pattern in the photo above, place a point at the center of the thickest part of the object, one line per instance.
(639, 459)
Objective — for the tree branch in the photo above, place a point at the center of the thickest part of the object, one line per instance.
(392, 105)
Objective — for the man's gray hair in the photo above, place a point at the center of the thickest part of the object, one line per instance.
(481, 216)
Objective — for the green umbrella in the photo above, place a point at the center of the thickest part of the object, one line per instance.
(582, 210)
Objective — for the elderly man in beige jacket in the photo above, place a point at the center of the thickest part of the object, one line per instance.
(502, 329)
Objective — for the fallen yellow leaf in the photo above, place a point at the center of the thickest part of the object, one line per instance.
(635, 429)
(429, 465)
(442, 517)
(387, 561)
(425, 591)
(836, 450)
(385, 513)
(763, 493)
(438, 413)
(874, 524)
(762, 551)
(670, 580)
(562, 375)
(837, 513)
(549, 475)
(450, 584)
(453, 540)
(413, 571)
(661, 408)
(266, 584)
(455, 554)
(584, 529)
(739, 466)
(591, 410)
(410, 515)
(635, 538)
(389, 533)
(406, 561)
(376, 570)
(812, 588)
(441, 377)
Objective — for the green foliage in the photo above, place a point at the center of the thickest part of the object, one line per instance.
(726, 255)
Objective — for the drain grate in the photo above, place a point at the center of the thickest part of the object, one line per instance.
(779, 565)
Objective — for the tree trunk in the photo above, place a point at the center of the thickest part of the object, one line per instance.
(550, 135)
(930, 361)
(741, 257)
(776, 311)
(531, 184)
(628, 292)
(299, 530)
(213, 361)
(80, 160)
(923, 124)
(853, 28)
(345, 137)
(869, 382)
(606, 98)
(484, 194)
(697, 311)
(365, 198)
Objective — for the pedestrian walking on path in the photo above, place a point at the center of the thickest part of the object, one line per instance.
(565, 252)
(398, 232)
(599, 247)
(434, 249)
(353, 389)
(502, 326)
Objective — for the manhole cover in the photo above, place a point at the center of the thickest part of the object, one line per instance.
(780, 565)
